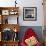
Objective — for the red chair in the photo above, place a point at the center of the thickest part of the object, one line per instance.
(29, 33)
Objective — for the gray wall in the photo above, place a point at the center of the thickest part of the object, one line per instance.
(37, 29)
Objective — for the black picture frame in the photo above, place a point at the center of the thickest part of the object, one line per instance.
(29, 13)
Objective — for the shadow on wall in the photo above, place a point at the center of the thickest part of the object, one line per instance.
(37, 29)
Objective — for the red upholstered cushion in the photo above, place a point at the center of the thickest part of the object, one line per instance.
(29, 33)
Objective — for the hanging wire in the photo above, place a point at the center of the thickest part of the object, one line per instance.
(15, 2)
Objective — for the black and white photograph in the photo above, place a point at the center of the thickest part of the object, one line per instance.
(30, 13)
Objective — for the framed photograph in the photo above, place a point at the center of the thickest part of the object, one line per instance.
(5, 12)
(13, 12)
(30, 13)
